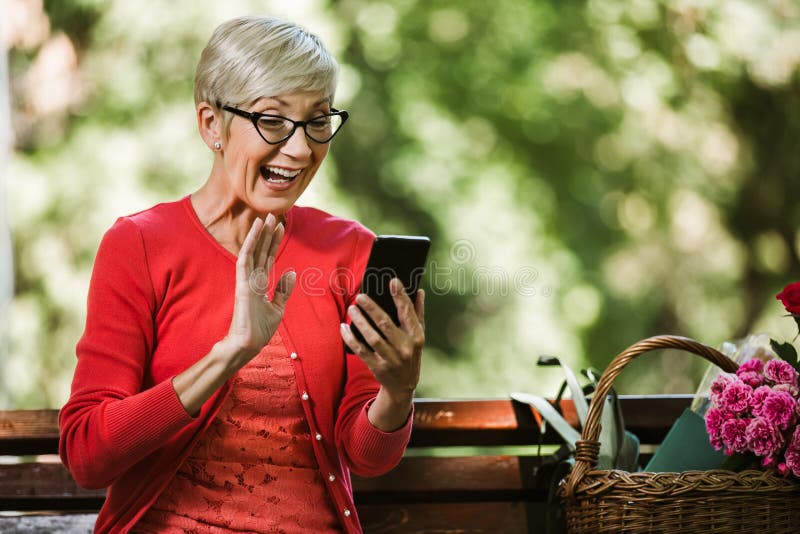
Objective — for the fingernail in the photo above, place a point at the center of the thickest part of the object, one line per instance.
(352, 311)
(396, 286)
(343, 328)
(361, 298)
(270, 219)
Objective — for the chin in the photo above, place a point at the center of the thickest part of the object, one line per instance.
(266, 200)
(276, 206)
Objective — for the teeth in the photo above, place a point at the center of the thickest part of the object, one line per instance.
(284, 172)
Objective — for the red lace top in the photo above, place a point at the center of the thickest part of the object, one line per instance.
(254, 469)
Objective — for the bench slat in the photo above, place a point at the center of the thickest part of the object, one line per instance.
(44, 486)
(462, 479)
(25, 432)
(416, 479)
(436, 423)
(452, 518)
(41, 523)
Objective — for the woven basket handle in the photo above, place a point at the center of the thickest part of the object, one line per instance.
(587, 449)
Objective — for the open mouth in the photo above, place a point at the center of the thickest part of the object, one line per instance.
(278, 175)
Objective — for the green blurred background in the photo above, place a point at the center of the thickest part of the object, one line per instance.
(591, 172)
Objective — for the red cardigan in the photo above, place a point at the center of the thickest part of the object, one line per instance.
(161, 295)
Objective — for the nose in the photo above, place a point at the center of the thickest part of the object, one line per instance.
(297, 145)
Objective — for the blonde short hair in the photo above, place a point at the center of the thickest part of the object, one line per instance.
(248, 58)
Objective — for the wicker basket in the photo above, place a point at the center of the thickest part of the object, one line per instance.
(595, 501)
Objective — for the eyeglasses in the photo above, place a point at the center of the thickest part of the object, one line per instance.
(275, 129)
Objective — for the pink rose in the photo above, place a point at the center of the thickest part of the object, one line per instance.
(714, 420)
(751, 378)
(780, 372)
(753, 365)
(795, 441)
(763, 437)
(734, 435)
(783, 469)
(793, 460)
(718, 387)
(779, 409)
(788, 388)
(736, 397)
(757, 399)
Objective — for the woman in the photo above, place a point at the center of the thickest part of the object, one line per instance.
(212, 391)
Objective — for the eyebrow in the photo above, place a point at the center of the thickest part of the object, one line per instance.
(284, 103)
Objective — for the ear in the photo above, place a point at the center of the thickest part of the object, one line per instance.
(209, 122)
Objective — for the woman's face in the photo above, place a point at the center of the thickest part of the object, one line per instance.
(270, 178)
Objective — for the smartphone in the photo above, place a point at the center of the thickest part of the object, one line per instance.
(400, 256)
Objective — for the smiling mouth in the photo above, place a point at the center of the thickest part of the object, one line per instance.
(277, 175)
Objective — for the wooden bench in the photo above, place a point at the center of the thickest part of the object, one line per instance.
(464, 470)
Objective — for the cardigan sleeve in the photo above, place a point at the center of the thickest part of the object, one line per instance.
(109, 424)
(367, 450)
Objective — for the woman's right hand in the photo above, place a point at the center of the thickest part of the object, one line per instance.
(255, 317)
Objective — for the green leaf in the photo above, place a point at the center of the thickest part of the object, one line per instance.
(785, 350)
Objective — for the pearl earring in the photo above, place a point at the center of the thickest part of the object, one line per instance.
(217, 146)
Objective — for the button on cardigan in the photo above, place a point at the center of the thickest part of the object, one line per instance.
(160, 296)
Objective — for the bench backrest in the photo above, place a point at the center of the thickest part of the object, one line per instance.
(459, 474)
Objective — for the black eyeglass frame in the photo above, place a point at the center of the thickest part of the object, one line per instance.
(255, 117)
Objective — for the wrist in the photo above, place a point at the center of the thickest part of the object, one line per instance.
(231, 355)
(390, 411)
(401, 399)
(197, 384)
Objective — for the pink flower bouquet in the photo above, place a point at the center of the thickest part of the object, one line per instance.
(755, 413)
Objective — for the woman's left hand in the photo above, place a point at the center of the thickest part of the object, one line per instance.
(396, 358)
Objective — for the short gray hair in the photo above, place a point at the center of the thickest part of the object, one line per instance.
(248, 58)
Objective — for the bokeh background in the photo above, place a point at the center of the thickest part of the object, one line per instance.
(591, 172)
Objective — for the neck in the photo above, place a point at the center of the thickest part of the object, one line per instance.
(226, 217)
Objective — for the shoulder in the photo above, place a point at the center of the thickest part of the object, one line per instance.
(333, 244)
(317, 220)
(134, 244)
(159, 221)
(157, 218)
(324, 231)
(328, 241)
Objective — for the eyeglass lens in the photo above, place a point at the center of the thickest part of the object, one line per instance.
(320, 129)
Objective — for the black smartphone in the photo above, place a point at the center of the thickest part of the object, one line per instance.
(400, 256)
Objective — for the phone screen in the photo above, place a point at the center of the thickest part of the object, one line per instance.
(393, 256)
